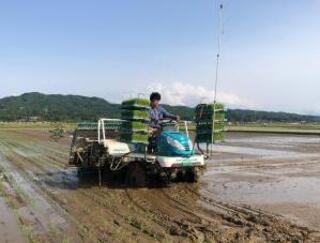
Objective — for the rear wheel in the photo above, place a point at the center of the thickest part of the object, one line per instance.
(87, 172)
(193, 175)
(136, 175)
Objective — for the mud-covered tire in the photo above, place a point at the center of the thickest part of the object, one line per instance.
(87, 172)
(136, 175)
(193, 176)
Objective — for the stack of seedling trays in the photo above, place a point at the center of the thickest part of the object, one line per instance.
(137, 115)
(88, 126)
(210, 124)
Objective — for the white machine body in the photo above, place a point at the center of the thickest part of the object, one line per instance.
(169, 162)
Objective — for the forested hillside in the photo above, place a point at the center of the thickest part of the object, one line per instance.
(37, 106)
(55, 107)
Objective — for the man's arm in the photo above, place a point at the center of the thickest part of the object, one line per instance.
(167, 114)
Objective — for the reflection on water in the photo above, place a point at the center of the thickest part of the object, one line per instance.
(266, 170)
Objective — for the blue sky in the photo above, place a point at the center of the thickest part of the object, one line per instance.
(118, 48)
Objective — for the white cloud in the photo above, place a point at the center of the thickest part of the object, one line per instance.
(179, 93)
(314, 109)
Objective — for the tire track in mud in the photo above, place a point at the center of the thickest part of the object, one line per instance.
(185, 222)
(89, 232)
(244, 223)
(158, 221)
(171, 208)
(196, 224)
(36, 213)
(121, 210)
(182, 214)
(163, 213)
(101, 198)
(203, 218)
(44, 170)
(259, 219)
(40, 168)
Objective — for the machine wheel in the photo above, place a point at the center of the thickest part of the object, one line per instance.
(86, 172)
(136, 175)
(193, 175)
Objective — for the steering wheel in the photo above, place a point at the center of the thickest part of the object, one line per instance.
(165, 124)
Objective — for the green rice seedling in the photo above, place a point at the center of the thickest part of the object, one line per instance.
(209, 108)
(135, 126)
(219, 116)
(136, 103)
(135, 115)
(210, 123)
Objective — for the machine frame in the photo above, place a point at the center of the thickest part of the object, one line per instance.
(100, 148)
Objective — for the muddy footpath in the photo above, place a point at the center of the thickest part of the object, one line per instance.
(256, 188)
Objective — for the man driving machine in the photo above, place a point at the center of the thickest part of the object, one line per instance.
(158, 113)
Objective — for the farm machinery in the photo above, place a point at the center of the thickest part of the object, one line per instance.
(130, 149)
(167, 157)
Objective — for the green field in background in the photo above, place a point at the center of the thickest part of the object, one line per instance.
(294, 128)
(36, 125)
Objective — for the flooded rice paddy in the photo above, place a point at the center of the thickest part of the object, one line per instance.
(256, 188)
(280, 174)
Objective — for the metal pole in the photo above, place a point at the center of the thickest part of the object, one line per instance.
(217, 74)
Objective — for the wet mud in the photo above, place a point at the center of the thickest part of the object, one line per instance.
(9, 225)
(280, 174)
(56, 206)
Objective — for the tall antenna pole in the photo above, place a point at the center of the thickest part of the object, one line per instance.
(217, 71)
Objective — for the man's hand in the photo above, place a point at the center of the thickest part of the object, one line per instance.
(153, 131)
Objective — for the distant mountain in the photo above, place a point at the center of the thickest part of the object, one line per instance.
(239, 115)
(55, 107)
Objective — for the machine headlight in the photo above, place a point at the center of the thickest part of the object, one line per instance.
(175, 143)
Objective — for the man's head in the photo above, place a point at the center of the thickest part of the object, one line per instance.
(155, 98)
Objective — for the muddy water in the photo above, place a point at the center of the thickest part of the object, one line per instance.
(280, 174)
(9, 227)
(68, 209)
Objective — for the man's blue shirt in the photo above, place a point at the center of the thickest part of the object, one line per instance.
(157, 114)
